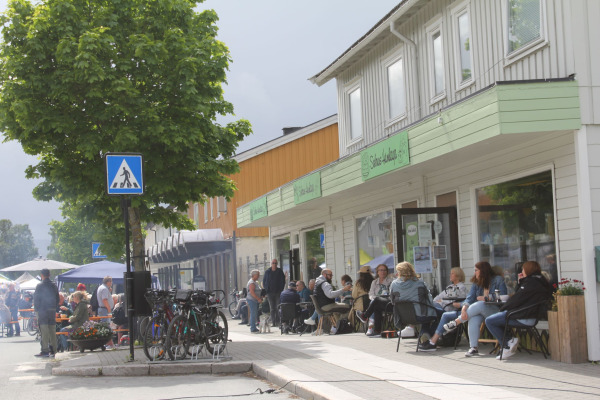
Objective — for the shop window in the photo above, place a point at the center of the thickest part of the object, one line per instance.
(375, 239)
(524, 24)
(516, 224)
(314, 251)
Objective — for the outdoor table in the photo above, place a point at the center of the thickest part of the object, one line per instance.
(454, 299)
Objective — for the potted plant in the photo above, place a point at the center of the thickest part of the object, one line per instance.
(91, 335)
(566, 323)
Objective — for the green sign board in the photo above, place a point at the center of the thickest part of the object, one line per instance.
(258, 209)
(307, 188)
(385, 156)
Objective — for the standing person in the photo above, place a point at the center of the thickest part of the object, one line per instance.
(314, 271)
(274, 283)
(12, 302)
(253, 299)
(45, 301)
(105, 302)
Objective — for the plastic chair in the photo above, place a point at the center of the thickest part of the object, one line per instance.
(322, 315)
(542, 307)
(404, 314)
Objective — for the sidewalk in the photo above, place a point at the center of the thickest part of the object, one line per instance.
(356, 367)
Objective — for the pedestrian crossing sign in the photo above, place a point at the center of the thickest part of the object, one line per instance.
(124, 174)
(96, 252)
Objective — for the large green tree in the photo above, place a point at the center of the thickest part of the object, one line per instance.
(16, 244)
(80, 78)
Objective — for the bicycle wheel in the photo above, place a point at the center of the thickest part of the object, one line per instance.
(178, 338)
(155, 338)
(233, 308)
(142, 327)
(32, 326)
(216, 333)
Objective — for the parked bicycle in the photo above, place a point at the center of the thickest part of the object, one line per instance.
(200, 323)
(234, 306)
(155, 328)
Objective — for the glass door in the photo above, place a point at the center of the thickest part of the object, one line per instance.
(428, 239)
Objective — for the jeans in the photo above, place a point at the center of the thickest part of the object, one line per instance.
(14, 316)
(446, 317)
(253, 304)
(376, 308)
(274, 307)
(477, 313)
(495, 323)
(63, 338)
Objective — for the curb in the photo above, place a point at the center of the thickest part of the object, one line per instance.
(229, 367)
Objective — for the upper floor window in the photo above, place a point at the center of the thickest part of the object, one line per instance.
(196, 212)
(221, 205)
(396, 88)
(355, 111)
(524, 23)
(463, 45)
(205, 212)
(436, 61)
(211, 209)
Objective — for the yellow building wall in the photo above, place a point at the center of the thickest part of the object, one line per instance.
(269, 170)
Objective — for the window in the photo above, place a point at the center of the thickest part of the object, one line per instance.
(375, 239)
(205, 212)
(396, 88)
(516, 224)
(436, 61)
(524, 23)
(463, 44)
(355, 112)
(196, 217)
(211, 209)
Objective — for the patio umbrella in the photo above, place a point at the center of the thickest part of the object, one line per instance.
(39, 264)
(387, 259)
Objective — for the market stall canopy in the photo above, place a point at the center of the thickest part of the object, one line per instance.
(24, 278)
(29, 285)
(187, 245)
(39, 264)
(4, 279)
(93, 273)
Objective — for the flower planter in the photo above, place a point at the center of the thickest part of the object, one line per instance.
(90, 344)
(568, 336)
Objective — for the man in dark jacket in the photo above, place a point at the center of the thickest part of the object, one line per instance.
(12, 302)
(273, 283)
(45, 301)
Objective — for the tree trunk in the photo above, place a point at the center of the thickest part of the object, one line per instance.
(137, 240)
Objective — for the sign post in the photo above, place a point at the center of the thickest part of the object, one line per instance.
(124, 176)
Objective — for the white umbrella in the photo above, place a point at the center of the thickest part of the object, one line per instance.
(29, 285)
(39, 264)
(24, 278)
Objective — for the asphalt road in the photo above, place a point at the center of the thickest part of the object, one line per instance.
(23, 376)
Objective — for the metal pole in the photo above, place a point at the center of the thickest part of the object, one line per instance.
(129, 277)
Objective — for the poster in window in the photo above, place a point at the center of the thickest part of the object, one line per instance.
(439, 252)
(425, 233)
(423, 264)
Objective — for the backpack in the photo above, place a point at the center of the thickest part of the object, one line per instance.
(343, 327)
(94, 301)
(118, 315)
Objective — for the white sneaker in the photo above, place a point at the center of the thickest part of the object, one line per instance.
(309, 321)
(408, 332)
(333, 330)
(370, 332)
(512, 345)
(505, 354)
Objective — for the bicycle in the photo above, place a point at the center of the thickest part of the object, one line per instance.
(33, 328)
(200, 323)
(155, 331)
(233, 306)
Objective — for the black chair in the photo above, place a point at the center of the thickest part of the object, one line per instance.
(405, 314)
(542, 308)
(360, 303)
(288, 317)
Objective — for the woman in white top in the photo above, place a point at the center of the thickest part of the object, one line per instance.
(379, 296)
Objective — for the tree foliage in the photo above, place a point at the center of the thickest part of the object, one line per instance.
(16, 244)
(80, 78)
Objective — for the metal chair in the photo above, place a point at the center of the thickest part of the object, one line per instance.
(542, 308)
(322, 315)
(360, 303)
(288, 315)
(405, 314)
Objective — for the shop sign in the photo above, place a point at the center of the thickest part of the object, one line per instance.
(307, 188)
(385, 156)
(258, 209)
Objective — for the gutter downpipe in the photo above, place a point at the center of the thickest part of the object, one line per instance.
(414, 62)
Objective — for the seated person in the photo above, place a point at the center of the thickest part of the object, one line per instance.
(63, 308)
(26, 303)
(80, 315)
(408, 287)
(473, 308)
(379, 296)
(361, 290)
(290, 295)
(303, 292)
(326, 297)
(533, 287)
(346, 296)
(456, 289)
(242, 301)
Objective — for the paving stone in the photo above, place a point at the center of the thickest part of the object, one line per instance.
(125, 370)
(180, 369)
(78, 371)
(231, 367)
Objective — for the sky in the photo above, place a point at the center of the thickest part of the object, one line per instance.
(276, 46)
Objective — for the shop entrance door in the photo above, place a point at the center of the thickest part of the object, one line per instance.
(294, 261)
(428, 239)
